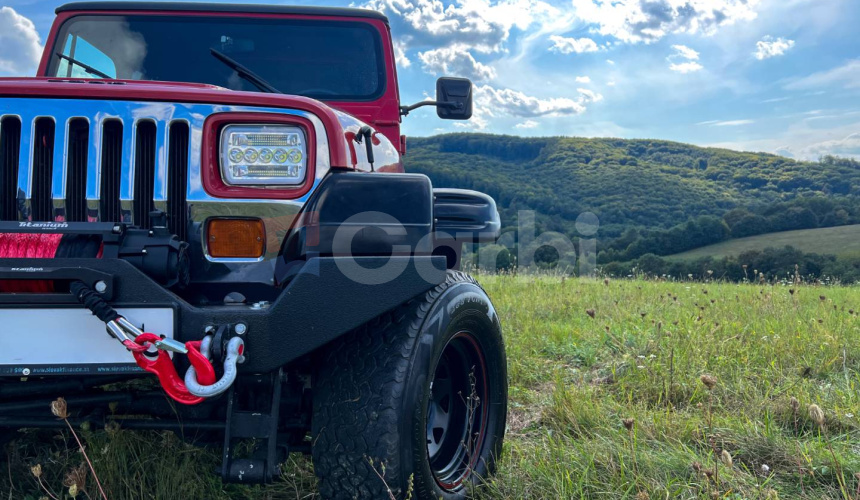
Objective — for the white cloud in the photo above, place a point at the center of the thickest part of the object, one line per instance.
(769, 47)
(516, 103)
(847, 75)
(493, 103)
(686, 52)
(775, 99)
(687, 67)
(400, 46)
(636, 21)
(583, 79)
(455, 61)
(727, 123)
(610, 62)
(20, 47)
(846, 147)
(483, 25)
(589, 95)
(573, 45)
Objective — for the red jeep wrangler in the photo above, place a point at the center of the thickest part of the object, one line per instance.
(214, 194)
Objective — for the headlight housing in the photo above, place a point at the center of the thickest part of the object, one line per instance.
(263, 155)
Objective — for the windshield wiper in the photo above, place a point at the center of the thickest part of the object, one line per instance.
(86, 67)
(244, 72)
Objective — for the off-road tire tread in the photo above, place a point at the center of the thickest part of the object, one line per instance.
(356, 401)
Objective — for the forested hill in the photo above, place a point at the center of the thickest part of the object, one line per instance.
(628, 183)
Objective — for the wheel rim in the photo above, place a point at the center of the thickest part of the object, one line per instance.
(457, 411)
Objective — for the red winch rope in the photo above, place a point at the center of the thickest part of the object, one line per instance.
(28, 246)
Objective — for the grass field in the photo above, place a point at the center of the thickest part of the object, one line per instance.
(607, 401)
(840, 240)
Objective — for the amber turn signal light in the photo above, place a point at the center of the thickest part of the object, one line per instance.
(235, 238)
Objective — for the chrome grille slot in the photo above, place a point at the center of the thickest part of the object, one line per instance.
(42, 169)
(10, 150)
(144, 172)
(76, 170)
(177, 184)
(111, 166)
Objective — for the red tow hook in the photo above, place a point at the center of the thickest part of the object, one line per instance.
(162, 367)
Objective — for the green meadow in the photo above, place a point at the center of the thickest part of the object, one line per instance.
(618, 389)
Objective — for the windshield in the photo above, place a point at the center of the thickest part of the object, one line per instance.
(329, 60)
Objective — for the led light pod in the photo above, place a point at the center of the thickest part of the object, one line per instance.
(263, 155)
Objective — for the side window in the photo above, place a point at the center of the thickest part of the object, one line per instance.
(83, 60)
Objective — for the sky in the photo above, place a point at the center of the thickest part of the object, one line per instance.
(778, 76)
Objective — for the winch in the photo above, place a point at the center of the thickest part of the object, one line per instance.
(156, 252)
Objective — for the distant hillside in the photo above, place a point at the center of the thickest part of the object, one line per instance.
(839, 241)
(645, 184)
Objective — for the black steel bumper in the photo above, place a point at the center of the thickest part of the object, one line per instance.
(328, 297)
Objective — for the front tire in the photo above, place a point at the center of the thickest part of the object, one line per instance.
(414, 402)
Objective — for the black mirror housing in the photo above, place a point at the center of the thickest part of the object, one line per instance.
(454, 98)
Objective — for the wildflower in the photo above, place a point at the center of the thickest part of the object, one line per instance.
(697, 466)
(36, 470)
(795, 404)
(606, 281)
(816, 414)
(642, 496)
(59, 408)
(726, 458)
(629, 423)
(765, 469)
(822, 298)
(73, 490)
(791, 291)
(771, 494)
(590, 312)
(709, 381)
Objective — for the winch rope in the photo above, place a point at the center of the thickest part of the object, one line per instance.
(44, 246)
(28, 246)
(91, 300)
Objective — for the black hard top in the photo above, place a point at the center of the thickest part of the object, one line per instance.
(223, 7)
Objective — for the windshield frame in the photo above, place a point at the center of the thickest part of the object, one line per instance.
(50, 61)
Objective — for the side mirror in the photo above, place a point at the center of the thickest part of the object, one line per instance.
(454, 96)
(453, 99)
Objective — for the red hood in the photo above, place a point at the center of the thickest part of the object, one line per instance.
(126, 90)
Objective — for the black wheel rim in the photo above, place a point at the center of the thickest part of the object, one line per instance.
(457, 411)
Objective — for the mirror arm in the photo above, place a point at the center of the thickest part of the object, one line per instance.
(404, 110)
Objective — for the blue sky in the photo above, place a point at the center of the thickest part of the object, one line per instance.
(761, 75)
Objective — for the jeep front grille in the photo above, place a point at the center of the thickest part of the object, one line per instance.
(67, 159)
(76, 183)
(43, 168)
(177, 184)
(144, 172)
(111, 155)
(10, 142)
(62, 161)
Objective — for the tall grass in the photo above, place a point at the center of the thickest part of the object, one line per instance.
(607, 400)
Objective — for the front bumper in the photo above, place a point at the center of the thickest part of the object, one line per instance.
(327, 298)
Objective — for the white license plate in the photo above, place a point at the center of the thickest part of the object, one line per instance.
(70, 341)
